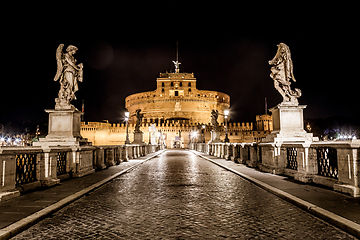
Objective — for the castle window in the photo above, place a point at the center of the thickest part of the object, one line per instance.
(189, 85)
(189, 89)
(176, 93)
(162, 84)
(172, 84)
(180, 84)
(162, 90)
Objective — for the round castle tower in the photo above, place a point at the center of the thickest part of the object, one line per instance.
(177, 98)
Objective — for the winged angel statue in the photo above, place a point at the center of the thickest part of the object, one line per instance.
(68, 73)
(282, 73)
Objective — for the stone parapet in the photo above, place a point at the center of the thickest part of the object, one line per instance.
(27, 168)
(334, 164)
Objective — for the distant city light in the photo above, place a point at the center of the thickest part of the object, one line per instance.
(347, 137)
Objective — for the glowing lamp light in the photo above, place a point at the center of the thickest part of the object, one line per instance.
(226, 112)
(127, 114)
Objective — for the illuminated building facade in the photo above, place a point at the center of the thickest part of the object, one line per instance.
(181, 114)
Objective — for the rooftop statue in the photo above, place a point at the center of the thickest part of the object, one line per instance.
(282, 74)
(177, 65)
(68, 73)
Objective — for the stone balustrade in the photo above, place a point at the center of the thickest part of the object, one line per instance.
(334, 164)
(26, 168)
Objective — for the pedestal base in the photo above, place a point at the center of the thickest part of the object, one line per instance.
(138, 138)
(288, 124)
(215, 137)
(64, 129)
(348, 189)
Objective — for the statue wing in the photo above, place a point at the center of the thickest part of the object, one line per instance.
(59, 53)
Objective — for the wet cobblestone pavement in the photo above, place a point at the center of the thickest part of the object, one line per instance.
(178, 195)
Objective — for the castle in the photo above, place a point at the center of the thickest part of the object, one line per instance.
(180, 112)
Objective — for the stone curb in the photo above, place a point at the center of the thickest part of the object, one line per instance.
(21, 225)
(332, 218)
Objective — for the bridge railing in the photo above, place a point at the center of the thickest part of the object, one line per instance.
(30, 167)
(334, 164)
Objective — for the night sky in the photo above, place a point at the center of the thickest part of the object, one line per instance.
(124, 48)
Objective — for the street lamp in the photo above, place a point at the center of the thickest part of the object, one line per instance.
(127, 115)
(226, 113)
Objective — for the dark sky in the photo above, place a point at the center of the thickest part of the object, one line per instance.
(124, 48)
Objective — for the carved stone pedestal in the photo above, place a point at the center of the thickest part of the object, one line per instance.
(64, 134)
(215, 137)
(138, 137)
(288, 124)
(288, 128)
(64, 129)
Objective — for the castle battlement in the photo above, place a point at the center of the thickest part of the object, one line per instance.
(100, 133)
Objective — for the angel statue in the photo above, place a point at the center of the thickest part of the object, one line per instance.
(68, 73)
(139, 117)
(214, 117)
(282, 73)
(177, 65)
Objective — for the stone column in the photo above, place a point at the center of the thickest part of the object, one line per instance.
(48, 163)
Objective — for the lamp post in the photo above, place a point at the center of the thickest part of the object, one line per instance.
(226, 113)
(127, 115)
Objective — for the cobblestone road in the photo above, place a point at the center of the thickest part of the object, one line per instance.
(178, 195)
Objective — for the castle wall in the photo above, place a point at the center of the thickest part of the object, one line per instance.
(174, 131)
